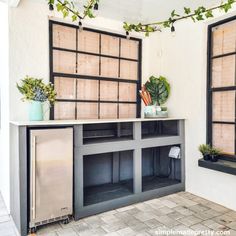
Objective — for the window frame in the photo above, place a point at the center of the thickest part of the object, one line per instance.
(100, 78)
(210, 90)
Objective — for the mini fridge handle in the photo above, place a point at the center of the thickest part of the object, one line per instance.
(33, 178)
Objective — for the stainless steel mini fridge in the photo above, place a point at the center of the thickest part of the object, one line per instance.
(51, 175)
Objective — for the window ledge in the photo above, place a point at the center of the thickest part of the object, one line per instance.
(224, 166)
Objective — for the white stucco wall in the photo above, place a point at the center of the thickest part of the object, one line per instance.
(4, 86)
(183, 60)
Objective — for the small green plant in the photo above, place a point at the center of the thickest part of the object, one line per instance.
(215, 151)
(34, 89)
(159, 89)
(204, 149)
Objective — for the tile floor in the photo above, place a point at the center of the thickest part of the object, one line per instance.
(177, 212)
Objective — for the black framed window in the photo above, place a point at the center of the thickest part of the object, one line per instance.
(96, 74)
(221, 87)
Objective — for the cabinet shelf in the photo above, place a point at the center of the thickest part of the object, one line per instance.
(106, 192)
(101, 133)
(152, 129)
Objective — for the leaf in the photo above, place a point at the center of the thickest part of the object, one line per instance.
(159, 89)
(187, 10)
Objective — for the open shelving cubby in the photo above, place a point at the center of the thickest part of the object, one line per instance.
(151, 129)
(158, 169)
(107, 176)
(107, 132)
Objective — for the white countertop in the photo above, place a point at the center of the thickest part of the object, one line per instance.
(88, 121)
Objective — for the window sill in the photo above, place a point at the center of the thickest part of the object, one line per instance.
(224, 166)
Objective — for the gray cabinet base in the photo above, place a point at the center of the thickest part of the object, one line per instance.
(128, 200)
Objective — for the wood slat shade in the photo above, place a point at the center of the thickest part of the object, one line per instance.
(223, 97)
(64, 37)
(224, 106)
(99, 63)
(223, 71)
(223, 137)
(224, 38)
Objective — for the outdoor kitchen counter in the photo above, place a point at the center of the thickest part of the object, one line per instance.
(88, 121)
(117, 162)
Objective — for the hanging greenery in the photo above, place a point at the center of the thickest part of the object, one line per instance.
(68, 9)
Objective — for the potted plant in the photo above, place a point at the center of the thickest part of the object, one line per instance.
(205, 149)
(154, 94)
(214, 154)
(37, 92)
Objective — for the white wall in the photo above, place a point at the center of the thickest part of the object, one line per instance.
(4, 86)
(183, 60)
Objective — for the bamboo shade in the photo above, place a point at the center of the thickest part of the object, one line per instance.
(65, 87)
(128, 70)
(64, 111)
(88, 41)
(224, 38)
(108, 91)
(64, 62)
(108, 111)
(224, 106)
(64, 37)
(87, 110)
(127, 111)
(223, 137)
(88, 65)
(87, 89)
(127, 92)
(109, 67)
(223, 71)
(109, 45)
(129, 49)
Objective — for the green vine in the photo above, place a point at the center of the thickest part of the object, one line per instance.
(68, 8)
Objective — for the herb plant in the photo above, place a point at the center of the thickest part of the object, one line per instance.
(34, 89)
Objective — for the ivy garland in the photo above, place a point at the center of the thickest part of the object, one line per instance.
(67, 8)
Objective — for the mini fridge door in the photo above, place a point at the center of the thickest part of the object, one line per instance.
(51, 174)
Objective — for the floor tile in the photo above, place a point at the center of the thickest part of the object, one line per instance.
(181, 211)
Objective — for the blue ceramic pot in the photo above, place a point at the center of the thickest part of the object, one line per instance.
(35, 111)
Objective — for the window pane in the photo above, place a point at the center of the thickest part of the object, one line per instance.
(108, 110)
(65, 88)
(64, 37)
(224, 38)
(87, 89)
(88, 41)
(87, 110)
(127, 110)
(224, 106)
(127, 92)
(88, 65)
(64, 111)
(129, 48)
(109, 67)
(108, 91)
(64, 62)
(128, 70)
(109, 45)
(223, 72)
(223, 137)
